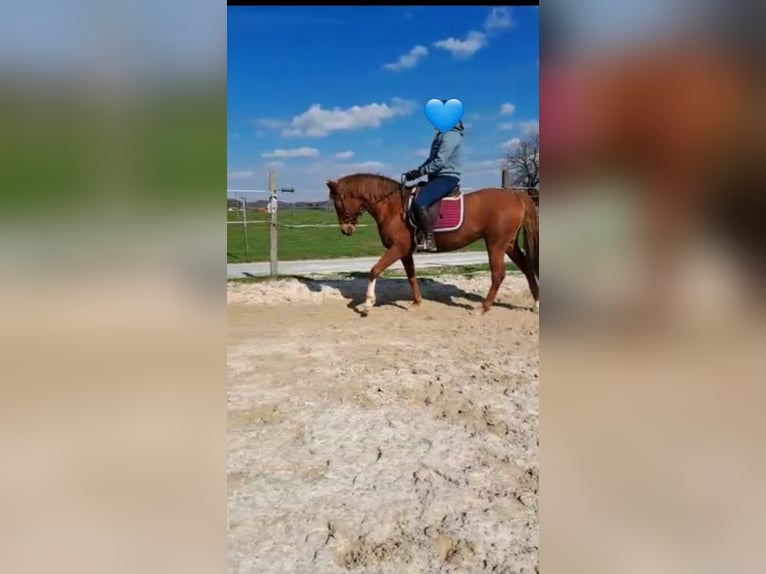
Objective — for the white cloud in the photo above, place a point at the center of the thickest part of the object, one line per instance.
(292, 153)
(507, 109)
(364, 166)
(512, 144)
(270, 124)
(506, 126)
(498, 19)
(275, 164)
(344, 155)
(422, 152)
(409, 60)
(473, 42)
(317, 122)
(530, 127)
(244, 174)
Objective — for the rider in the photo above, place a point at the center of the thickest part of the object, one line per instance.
(443, 170)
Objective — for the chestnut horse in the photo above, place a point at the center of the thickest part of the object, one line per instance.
(498, 216)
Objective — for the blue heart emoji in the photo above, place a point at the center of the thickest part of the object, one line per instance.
(444, 115)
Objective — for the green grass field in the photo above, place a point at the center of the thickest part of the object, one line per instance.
(303, 242)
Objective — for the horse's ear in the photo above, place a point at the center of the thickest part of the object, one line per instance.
(333, 186)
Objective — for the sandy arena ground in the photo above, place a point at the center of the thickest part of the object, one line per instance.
(402, 442)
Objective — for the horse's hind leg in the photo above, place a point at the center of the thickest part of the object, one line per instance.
(497, 271)
(517, 256)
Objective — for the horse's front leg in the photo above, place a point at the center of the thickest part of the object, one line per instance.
(409, 268)
(392, 254)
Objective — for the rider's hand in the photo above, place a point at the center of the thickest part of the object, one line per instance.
(412, 174)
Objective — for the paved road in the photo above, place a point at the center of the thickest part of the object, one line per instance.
(350, 265)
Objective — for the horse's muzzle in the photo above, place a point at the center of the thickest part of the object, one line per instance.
(347, 229)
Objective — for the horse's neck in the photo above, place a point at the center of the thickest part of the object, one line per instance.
(380, 208)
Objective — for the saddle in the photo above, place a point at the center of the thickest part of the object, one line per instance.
(435, 209)
(444, 215)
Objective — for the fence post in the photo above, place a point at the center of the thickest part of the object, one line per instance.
(244, 226)
(505, 177)
(273, 203)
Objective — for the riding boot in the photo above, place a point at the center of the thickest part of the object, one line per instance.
(424, 225)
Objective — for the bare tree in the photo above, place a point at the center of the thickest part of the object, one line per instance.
(523, 161)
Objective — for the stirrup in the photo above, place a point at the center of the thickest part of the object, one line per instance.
(426, 246)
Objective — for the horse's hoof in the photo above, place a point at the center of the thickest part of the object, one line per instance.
(536, 307)
(415, 304)
(366, 308)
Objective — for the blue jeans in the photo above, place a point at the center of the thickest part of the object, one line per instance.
(435, 190)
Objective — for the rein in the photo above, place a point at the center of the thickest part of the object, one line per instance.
(352, 219)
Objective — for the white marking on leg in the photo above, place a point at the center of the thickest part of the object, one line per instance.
(371, 290)
(370, 299)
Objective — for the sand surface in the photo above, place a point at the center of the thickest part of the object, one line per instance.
(404, 441)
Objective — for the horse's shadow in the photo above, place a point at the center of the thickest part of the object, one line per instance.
(394, 292)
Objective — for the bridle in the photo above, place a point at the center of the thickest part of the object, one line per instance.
(348, 218)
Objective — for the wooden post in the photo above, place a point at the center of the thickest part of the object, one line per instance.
(505, 177)
(244, 226)
(273, 202)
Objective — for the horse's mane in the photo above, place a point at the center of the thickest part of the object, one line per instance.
(369, 186)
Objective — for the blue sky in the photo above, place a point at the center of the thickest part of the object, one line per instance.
(318, 93)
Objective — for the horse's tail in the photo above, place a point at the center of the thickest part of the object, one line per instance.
(531, 226)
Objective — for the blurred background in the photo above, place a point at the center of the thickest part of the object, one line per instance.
(112, 144)
(653, 140)
(113, 342)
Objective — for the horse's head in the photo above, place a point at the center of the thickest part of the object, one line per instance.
(347, 207)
